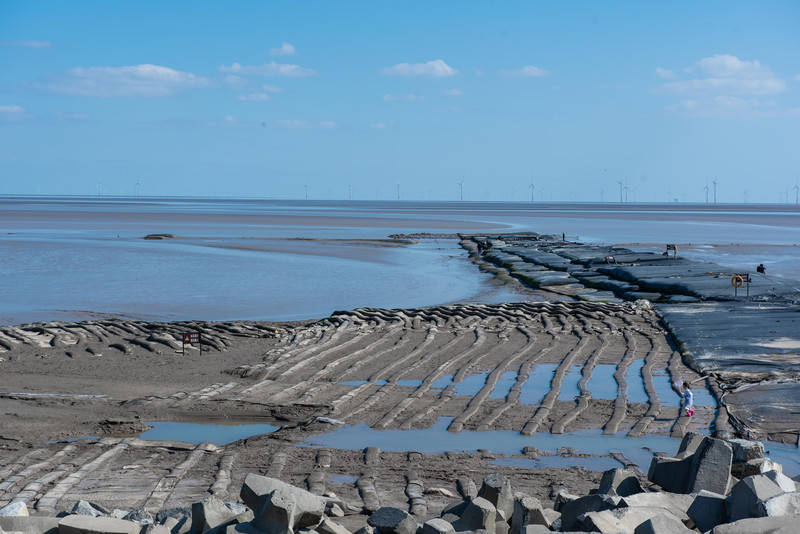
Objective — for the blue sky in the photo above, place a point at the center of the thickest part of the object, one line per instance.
(263, 98)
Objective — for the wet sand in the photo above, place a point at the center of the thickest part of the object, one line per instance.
(403, 370)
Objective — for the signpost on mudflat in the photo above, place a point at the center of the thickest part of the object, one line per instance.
(738, 279)
(191, 338)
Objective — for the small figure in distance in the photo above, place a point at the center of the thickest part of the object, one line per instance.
(688, 399)
(761, 269)
(563, 236)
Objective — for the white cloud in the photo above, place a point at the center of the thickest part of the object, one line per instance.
(286, 49)
(528, 71)
(453, 92)
(269, 69)
(402, 98)
(13, 113)
(27, 44)
(294, 124)
(12, 110)
(729, 75)
(665, 74)
(261, 96)
(434, 69)
(135, 80)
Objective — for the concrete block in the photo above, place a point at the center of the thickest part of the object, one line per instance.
(747, 495)
(620, 482)
(760, 525)
(621, 520)
(677, 503)
(279, 507)
(29, 524)
(711, 467)
(662, 524)
(527, 511)
(437, 526)
(689, 444)
(708, 510)
(86, 508)
(573, 510)
(388, 520)
(479, 514)
(497, 490)
(210, 514)
(84, 524)
(781, 505)
(744, 449)
(15, 509)
(329, 527)
(672, 474)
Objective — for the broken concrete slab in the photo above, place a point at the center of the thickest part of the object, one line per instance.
(711, 467)
(86, 508)
(389, 520)
(527, 511)
(29, 524)
(678, 504)
(745, 449)
(479, 514)
(280, 507)
(328, 526)
(15, 509)
(708, 510)
(622, 482)
(662, 524)
(437, 525)
(747, 495)
(572, 511)
(781, 505)
(760, 525)
(497, 490)
(211, 514)
(84, 524)
(621, 520)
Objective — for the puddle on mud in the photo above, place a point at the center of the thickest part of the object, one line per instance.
(504, 385)
(218, 434)
(409, 383)
(569, 386)
(538, 384)
(636, 392)
(342, 479)
(592, 463)
(437, 440)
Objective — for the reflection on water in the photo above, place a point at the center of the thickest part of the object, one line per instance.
(504, 385)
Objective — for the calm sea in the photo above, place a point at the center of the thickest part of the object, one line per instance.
(72, 258)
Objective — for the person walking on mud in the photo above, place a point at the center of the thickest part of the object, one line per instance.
(688, 399)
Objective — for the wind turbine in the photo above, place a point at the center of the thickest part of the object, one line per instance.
(532, 188)
(715, 190)
(461, 189)
(706, 190)
(306, 191)
(398, 191)
(796, 194)
(621, 186)
(138, 188)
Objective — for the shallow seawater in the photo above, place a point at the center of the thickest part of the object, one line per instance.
(538, 384)
(437, 440)
(569, 386)
(218, 434)
(504, 385)
(342, 479)
(636, 391)
(603, 385)
(592, 463)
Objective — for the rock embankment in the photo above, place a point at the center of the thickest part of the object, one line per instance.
(698, 490)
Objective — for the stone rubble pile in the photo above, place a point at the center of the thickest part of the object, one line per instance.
(710, 485)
